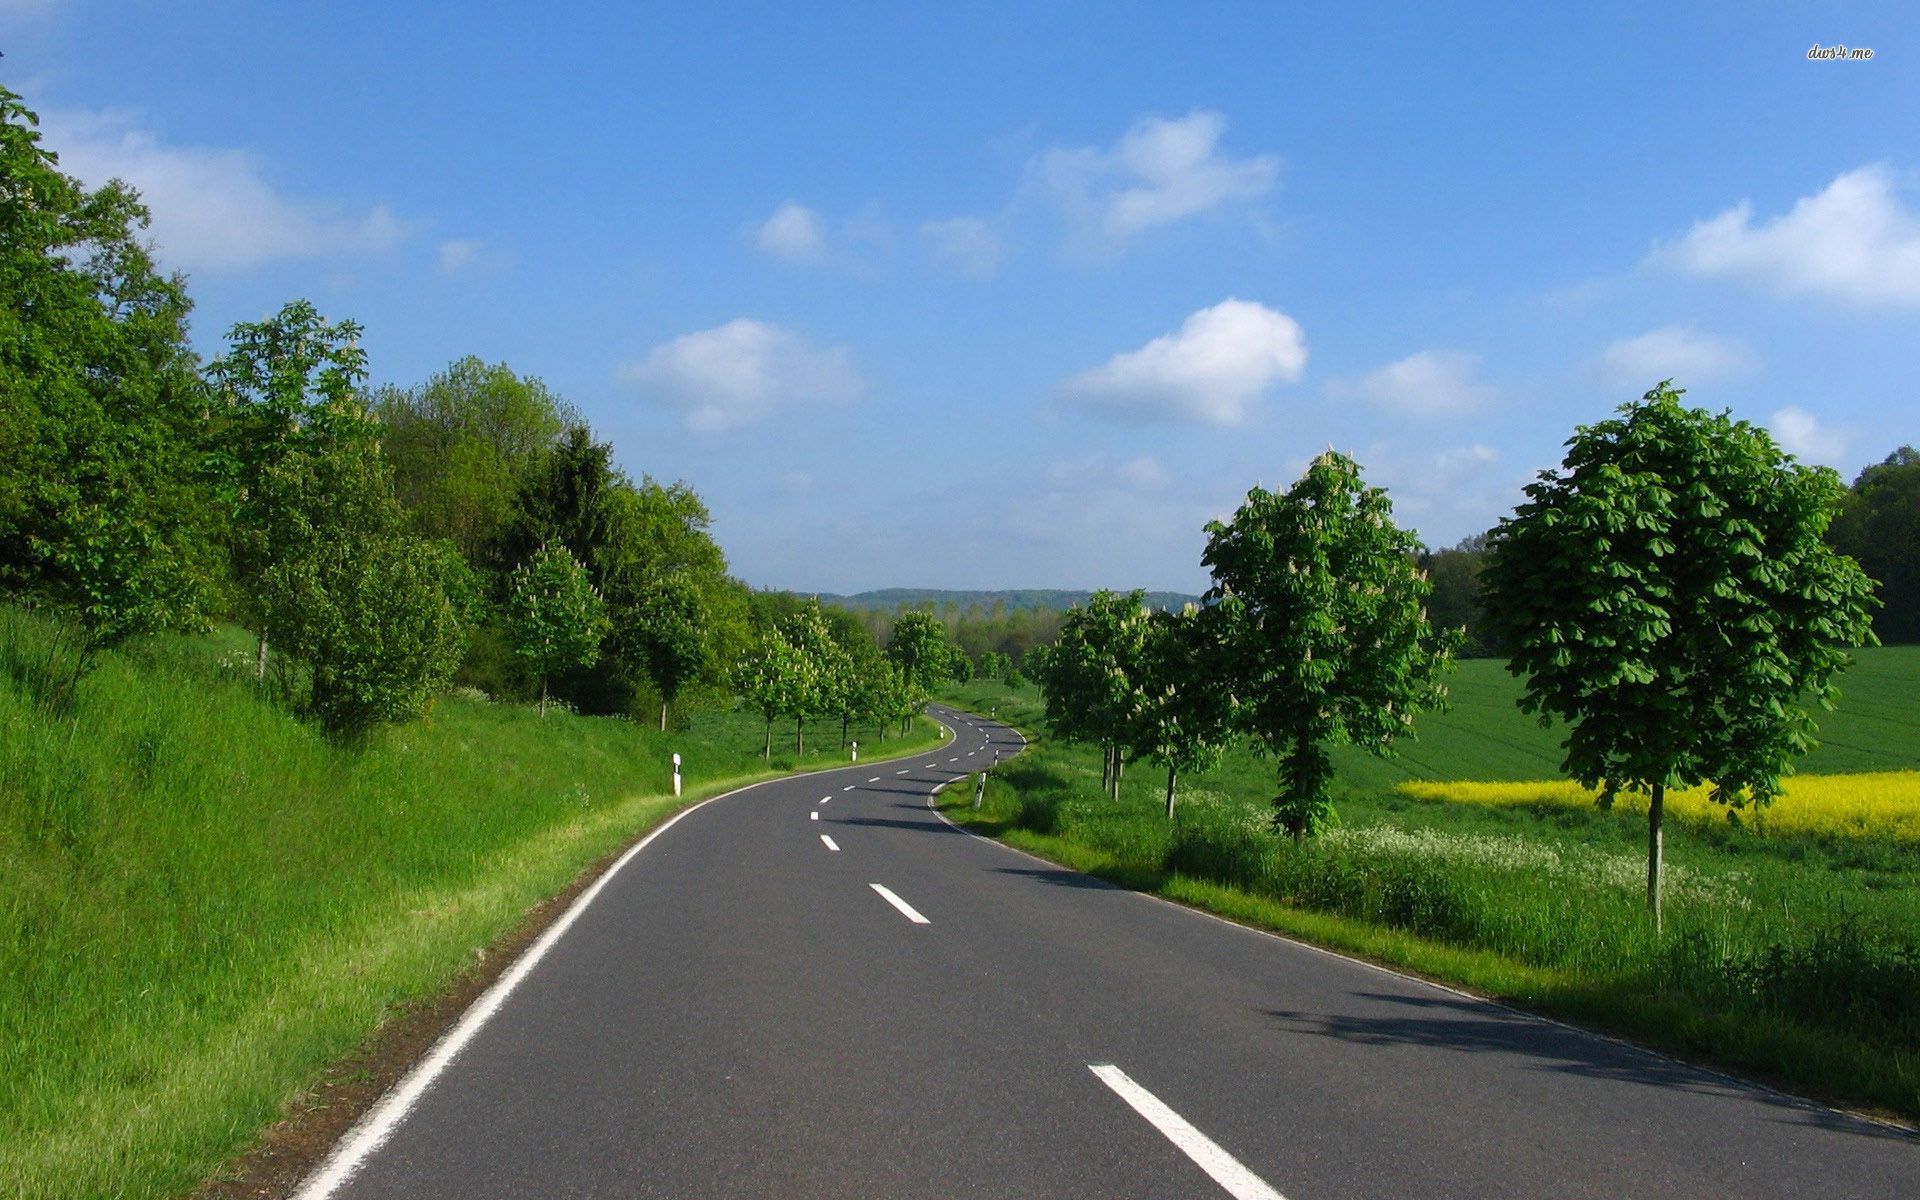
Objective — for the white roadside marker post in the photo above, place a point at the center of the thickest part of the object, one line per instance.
(676, 774)
(979, 788)
(856, 751)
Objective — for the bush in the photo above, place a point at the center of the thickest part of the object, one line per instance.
(381, 626)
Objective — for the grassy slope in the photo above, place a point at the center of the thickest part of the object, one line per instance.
(1743, 974)
(202, 903)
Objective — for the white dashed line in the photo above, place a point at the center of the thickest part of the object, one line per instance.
(829, 842)
(906, 910)
(903, 770)
(1226, 1170)
(875, 779)
(849, 787)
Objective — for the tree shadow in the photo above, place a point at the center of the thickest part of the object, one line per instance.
(1472, 1027)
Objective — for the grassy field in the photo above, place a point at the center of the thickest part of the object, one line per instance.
(203, 903)
(1792, 955)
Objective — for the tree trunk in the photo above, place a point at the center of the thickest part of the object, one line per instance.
(663, 716)
(843, 729)
(768, 752)
(1654, 851)
(1119, 768)
(260, 660)
(1169, 791)
(799, 735)
(1106, 769)
(543, 694)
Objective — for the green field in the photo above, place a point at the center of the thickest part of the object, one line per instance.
(1796, 959)
(203, 903)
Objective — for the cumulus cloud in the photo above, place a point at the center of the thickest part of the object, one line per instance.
(1209, 370)
(741, 372)
(1855, 241)
(213, 209)
(1802, 435)
(1465, 458)
(794, 233)
(966, 245)
(1673, 352)
(1160, 171)
(1431, 383)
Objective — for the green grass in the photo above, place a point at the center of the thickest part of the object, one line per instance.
(1798, 960)
(203, 902)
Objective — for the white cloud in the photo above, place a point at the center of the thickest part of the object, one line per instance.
(1160, 171)
(1431, 383)
(1100, 473)
(1673, 352)
(457, 255)
(1855, 241)
(212, 208)
(741, 372)
(1465, 458)
(1210, 369)
(1801, 434)
(794, 233)
(967, 245)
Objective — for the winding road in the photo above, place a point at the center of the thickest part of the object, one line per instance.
(816, 987)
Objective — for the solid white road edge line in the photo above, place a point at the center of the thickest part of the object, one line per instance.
(372, 1130)
(829, 842)
(1226, 1170)
(906, 910)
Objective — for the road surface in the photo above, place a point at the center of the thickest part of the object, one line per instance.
(817, 988)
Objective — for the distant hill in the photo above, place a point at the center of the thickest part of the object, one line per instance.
(1015, 599)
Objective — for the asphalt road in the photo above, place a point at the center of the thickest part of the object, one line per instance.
(745, 1010)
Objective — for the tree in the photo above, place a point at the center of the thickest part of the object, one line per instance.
(1182, 710)
(666, 632)
(1878, 526)
(772, 678)
(555, 618)
(1085, 676)
(1326, 630)
(105, 504)
(919, 647)
(1668, 594)
(826, 669)
(300, 453)
(381, 624)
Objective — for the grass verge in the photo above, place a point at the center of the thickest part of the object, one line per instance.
(203, 903)
(1795, 963)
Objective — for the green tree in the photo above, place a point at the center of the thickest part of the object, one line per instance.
(300, 453)
(827, 668)
(772, 680)
(380, 623)
(1327, 634)
(105, 505)
(1182, 715)
(1878, 526)
(1085, 677)
(665, 631)
(1669, 595)
(919, 646)
(554, 616)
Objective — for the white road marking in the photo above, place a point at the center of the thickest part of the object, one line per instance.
(824, 799)
(814, 815)
(875, 779)
(829, 842)
(1226, 1170)
(906, 910)
(933, 764)
(953, 760)
(903, 770)
(849, 787)
(371, 1131)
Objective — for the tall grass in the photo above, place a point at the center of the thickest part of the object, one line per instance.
(203, 901)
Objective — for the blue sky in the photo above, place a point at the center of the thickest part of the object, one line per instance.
(1022, 295)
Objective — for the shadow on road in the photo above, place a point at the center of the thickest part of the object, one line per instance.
(1470, 1026)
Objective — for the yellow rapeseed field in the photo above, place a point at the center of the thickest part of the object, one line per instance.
(1882, 805)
